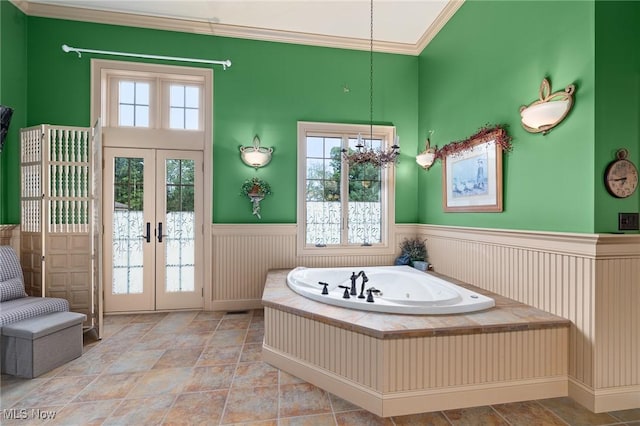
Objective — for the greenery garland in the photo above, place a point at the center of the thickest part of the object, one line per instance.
(484, 134)
(262, 186)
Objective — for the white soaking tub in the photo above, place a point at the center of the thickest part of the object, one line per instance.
(402, 290)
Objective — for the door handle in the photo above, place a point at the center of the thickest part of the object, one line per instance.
(160, 232)
(148, 236)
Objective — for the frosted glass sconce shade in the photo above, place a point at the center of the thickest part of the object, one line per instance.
(427, 157)
(255, 156)
(549, 111)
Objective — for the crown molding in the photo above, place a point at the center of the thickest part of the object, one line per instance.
(443, 17)
(235, 31)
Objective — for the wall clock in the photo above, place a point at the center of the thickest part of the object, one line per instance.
(621, 176)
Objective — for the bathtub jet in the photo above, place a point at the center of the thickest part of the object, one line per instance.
(398, 290)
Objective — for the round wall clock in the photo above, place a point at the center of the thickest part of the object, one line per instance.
(621, 176)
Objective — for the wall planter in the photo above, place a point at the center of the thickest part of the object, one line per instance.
(256, 189)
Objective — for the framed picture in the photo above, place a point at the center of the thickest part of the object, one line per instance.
(472, 179)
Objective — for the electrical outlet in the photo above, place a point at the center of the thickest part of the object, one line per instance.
(628, 222)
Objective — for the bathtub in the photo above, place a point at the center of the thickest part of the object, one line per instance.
(403, 290)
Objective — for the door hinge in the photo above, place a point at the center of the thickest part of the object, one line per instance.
(202, 291)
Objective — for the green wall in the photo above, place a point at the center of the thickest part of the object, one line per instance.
(267, 90)
(13, 92)
(617, 102)
(488, 61)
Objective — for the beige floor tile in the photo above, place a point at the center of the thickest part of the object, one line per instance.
(209, 378)
(160, 382)
(209, 315)
(317, 420)
(234, 324)
(627, 415)
(142, 411)
(199, 408)
(85, 413)
(424, 419)
(227, 338)
(135, 361)
(251, 405)
(254, 335)
(251, 352)
(55, 391)
(528, 413)
(361, 418)
(216, 355)
(254, 374)
(575, 414)
(303, 399)
(201, 326)
(152, 318)
(172, 358)
(288, 379)
(109, 386)
(475, 416)
(14, 389)
(91, 363)
(340, 404)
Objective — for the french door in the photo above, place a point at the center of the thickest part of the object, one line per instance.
(153, 236)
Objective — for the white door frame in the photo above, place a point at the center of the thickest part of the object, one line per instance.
(101, 70)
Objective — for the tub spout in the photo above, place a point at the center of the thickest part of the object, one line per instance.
(365, 280)
(354, 278)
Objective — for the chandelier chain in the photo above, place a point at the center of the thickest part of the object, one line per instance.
(371, 74)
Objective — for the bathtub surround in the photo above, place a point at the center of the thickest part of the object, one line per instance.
(397, 365)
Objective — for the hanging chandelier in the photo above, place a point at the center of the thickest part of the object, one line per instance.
(366, 154)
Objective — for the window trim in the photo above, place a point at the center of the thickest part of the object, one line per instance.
(387, 246)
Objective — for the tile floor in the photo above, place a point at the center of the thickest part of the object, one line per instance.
(205, 368)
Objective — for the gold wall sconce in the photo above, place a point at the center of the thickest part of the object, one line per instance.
(255, 156)
(548, 111)
(427, 157)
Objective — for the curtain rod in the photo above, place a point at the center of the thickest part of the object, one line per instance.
(225, 64)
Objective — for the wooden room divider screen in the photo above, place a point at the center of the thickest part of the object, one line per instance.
(60, 219)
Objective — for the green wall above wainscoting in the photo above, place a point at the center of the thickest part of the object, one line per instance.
(490, 59)
(486, 62)
(269, 87)
(13, 93)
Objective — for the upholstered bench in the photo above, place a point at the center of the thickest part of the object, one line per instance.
(34, 346)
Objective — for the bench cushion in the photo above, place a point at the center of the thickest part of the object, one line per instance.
(28, 307)
(35, 328)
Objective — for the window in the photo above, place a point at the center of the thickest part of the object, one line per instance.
(155, 101)
(184, 106)
(133, 103)
(342, 207)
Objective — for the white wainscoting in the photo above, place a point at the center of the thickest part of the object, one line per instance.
(242, 255)
(591, 279)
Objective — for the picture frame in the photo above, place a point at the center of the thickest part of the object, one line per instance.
(472, 178)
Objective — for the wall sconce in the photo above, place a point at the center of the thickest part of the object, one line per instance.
(549, 111)
(255, 156)
(427, 157)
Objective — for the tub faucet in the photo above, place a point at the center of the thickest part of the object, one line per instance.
(364, 281)
(354, 278)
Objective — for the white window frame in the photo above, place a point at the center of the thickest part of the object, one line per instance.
(387, 134)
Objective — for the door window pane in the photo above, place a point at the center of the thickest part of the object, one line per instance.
(128, 225)
(180, 228)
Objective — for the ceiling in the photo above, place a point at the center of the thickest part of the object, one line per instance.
(400, 26)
